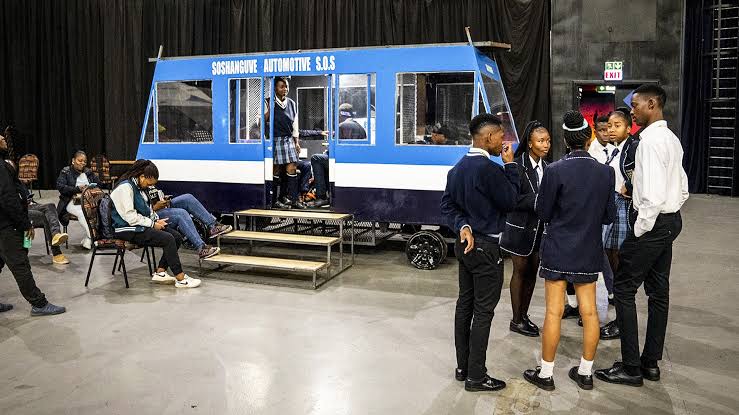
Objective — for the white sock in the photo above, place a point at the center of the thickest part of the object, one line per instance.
(572, 300)
(547, 369)
(586, 367)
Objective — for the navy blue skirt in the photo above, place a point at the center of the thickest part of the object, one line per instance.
(574, 278)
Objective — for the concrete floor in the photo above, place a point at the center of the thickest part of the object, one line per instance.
(375, 340)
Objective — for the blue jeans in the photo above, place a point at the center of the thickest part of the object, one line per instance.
(179, 217)
(319, 162)
(305, 175)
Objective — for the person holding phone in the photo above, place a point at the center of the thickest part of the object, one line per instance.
(135, 221)
(478, 194)
(180, 212)
(72, 181)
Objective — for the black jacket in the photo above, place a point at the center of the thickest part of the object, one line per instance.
(522, 226)
(66, 183)
(628, 162)
(13, 204)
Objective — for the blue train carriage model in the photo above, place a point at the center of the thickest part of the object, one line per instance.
(205, 127)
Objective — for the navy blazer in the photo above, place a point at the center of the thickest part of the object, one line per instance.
(522, 224)
(628, 162)
(575, 200)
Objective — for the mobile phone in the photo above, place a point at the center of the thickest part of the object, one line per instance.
(167, 197)
(92, 185)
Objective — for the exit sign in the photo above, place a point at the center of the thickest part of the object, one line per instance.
(614, 71)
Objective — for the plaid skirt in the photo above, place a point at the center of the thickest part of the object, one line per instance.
(616, 232)
(284, 150)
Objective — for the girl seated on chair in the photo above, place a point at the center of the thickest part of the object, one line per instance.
(135, 221)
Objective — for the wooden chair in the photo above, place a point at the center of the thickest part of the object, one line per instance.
(101, 166)
(91, 199)
(28, 171)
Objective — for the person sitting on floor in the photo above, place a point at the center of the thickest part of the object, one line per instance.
(72, 181)
(178, 210)
(136, 222)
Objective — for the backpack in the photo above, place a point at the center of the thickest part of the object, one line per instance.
(105, 212)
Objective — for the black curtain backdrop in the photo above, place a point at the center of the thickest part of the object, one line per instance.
(696, 83)
(75, 72)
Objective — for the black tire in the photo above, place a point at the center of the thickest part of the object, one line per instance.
(443, 243)
(425, 250)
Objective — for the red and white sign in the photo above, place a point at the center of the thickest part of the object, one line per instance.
(613, 75)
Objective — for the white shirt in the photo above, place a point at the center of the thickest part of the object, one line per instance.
(616, 164)
(538, 168)
(660, 183)
(82, 180)
(599, 151)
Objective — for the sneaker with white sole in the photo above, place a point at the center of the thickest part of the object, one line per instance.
(162, 278)
(187, 282)
(208, 251)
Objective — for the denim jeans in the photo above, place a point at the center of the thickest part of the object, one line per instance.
(179, 217)
(305, 175)
(319, 162)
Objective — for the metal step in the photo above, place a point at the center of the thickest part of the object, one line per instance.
(280, 264)
(293, 214)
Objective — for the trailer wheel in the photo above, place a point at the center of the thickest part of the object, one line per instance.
(426, 249)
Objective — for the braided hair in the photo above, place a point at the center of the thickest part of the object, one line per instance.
(139, 168)
(523, 144)
(577, 131)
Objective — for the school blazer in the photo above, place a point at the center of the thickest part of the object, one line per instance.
(522, 224)
(575, 200)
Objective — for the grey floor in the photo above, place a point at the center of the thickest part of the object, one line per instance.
(375, 340)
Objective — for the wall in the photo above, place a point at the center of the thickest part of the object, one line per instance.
(645, 34)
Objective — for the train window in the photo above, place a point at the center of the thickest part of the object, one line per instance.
(311, 105)
(497, 100)
(356, 107)
(434, 108)
(185, 112)
(246, 113)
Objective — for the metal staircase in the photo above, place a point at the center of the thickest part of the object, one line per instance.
(722, 169)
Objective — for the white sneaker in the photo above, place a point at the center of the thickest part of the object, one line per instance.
(86, 243)
(162, 278)
(187, 282)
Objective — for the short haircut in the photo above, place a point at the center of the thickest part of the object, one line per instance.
(482, 120)
(280, 79)
(654, 91)
(621, 112)
(601, 119)
(78, 153)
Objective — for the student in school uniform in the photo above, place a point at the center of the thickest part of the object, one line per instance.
(523, 229)
(575, 200)
(660, 188)
(477, 197)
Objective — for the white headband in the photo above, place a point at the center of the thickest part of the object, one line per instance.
(584, 126)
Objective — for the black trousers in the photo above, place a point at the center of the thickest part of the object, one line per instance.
(46, 216)
(168, 239)
(15, 257)
(480, 282)
(647, 260)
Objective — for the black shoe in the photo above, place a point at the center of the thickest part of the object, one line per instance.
(488, 384)
(532, 376)
(318, 203)
(525, 327)
(579, 321)
(584, 382)
(298, 205)
(570, 312)
(5, 307)
(650, 373)
(617, 374)
(610, 331)
(460, 374)
(281, 205)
